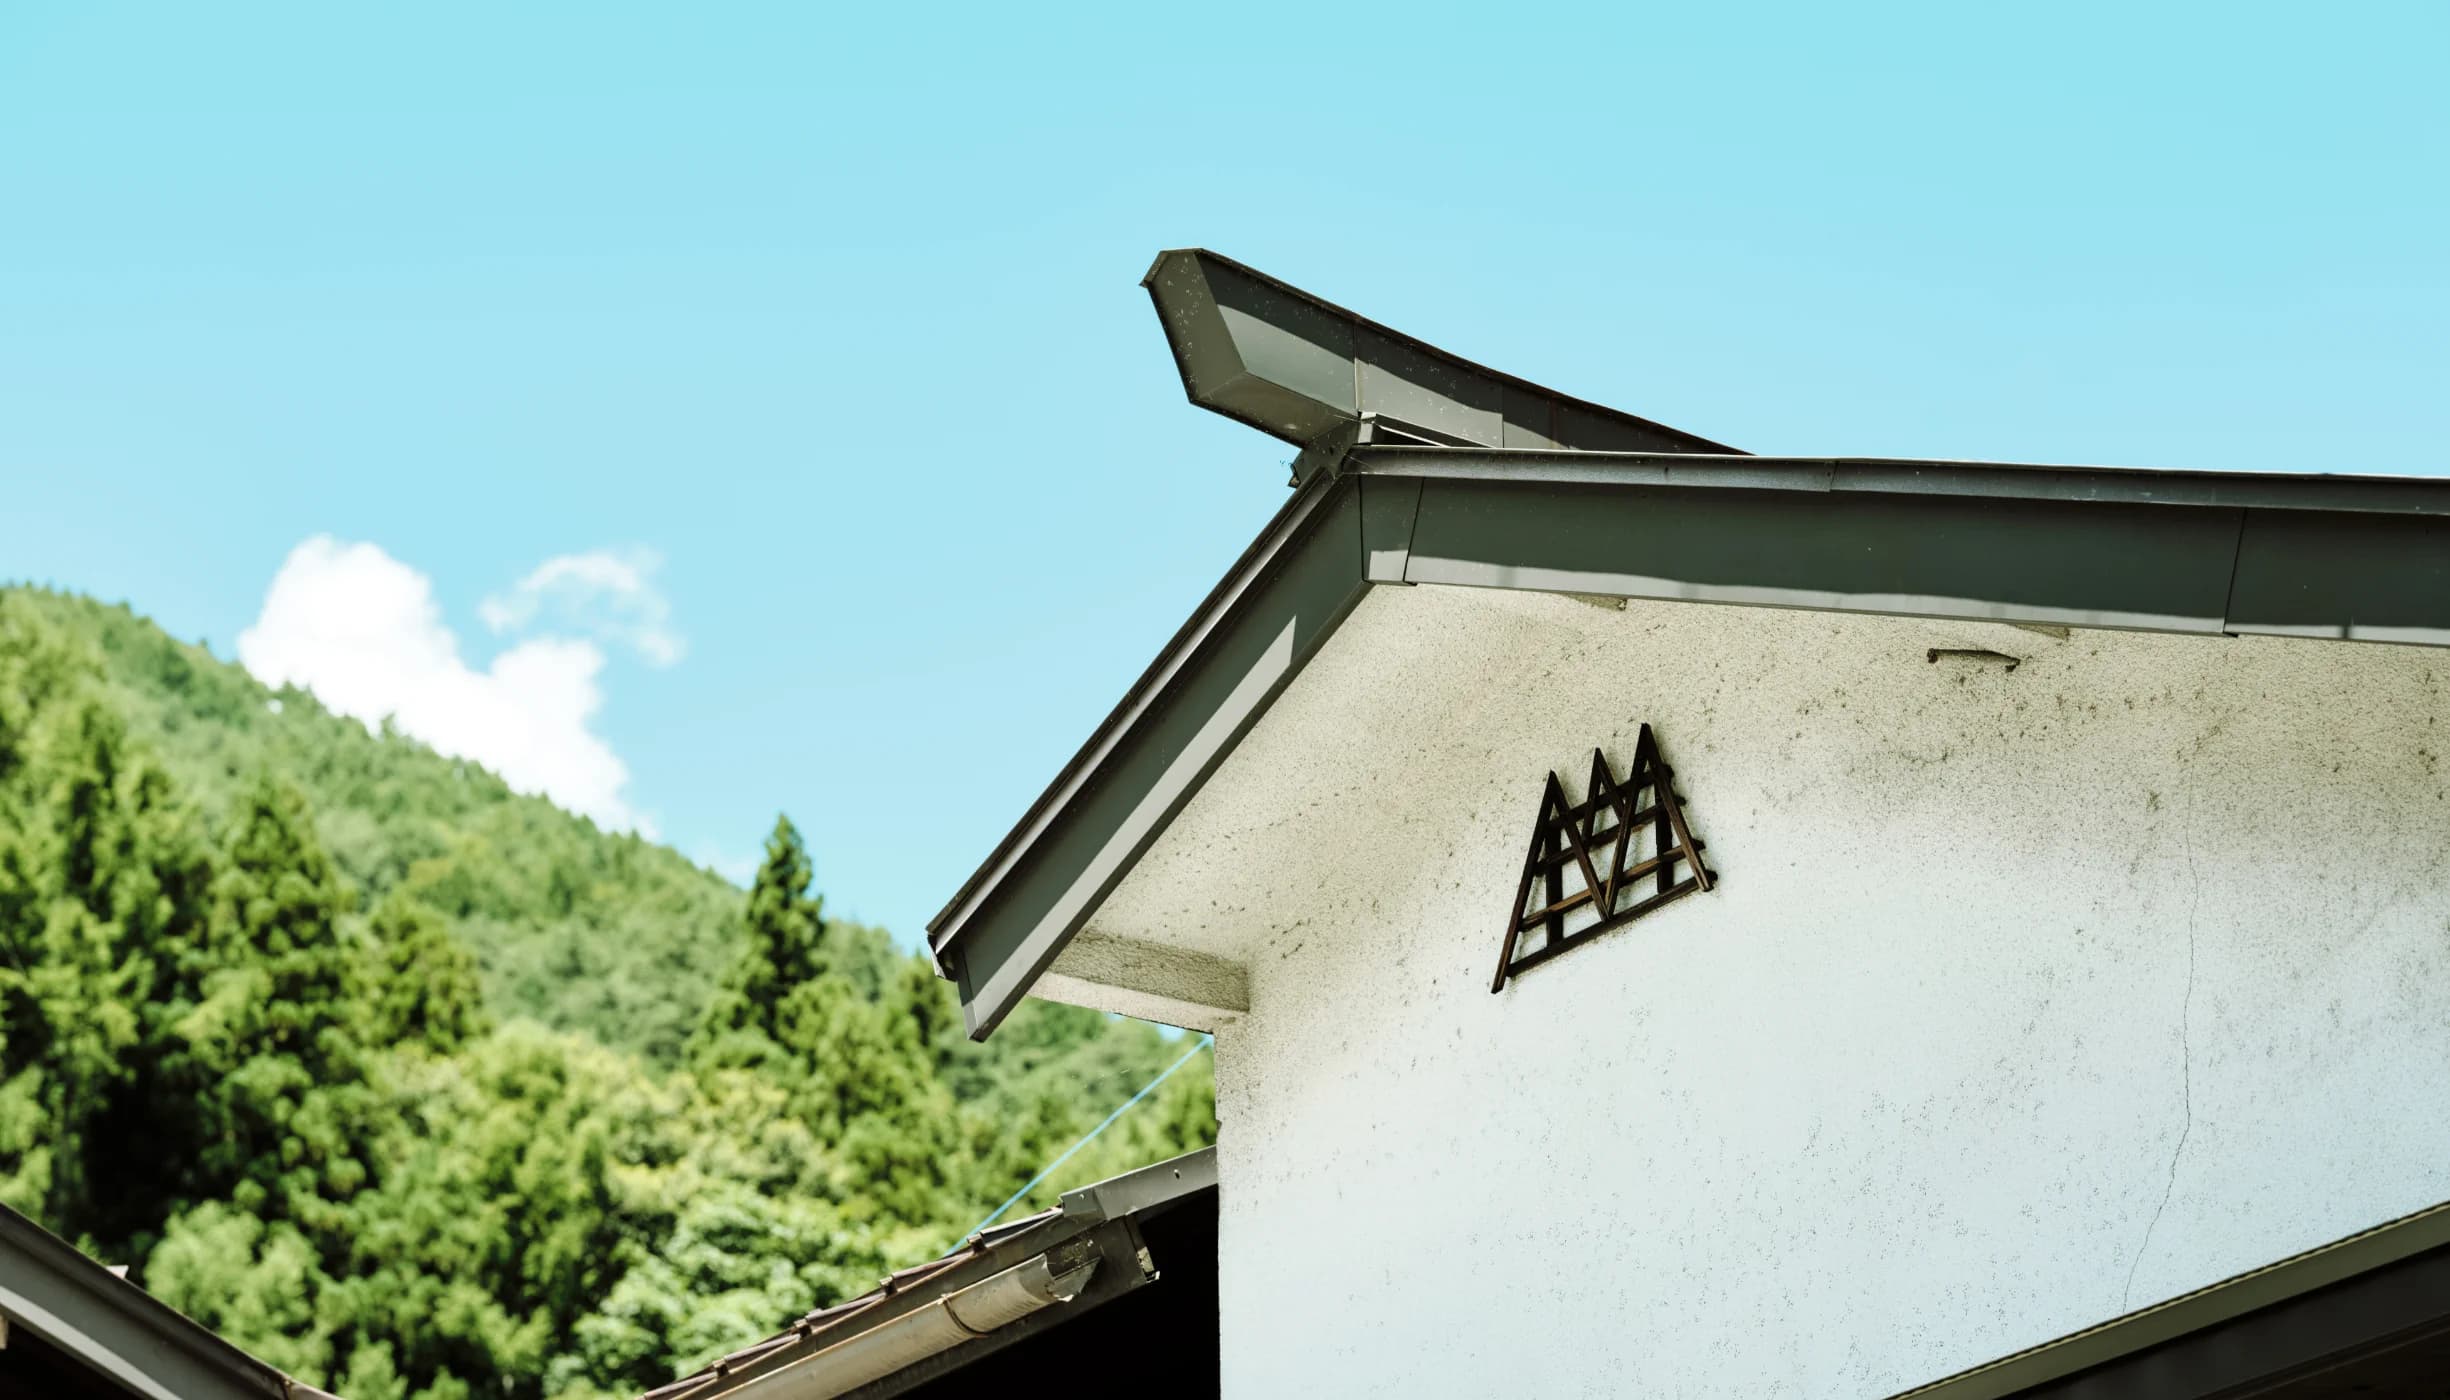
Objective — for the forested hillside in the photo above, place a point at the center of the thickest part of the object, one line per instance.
(416, 1087)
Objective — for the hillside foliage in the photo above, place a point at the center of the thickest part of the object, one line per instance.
(417, 1087)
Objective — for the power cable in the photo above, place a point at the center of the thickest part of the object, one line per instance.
(1145, 1090)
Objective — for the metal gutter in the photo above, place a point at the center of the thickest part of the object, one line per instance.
(2367, 1289)
(49, 1288)
(965, 1315)
(1000, 1287)
(2377, 495)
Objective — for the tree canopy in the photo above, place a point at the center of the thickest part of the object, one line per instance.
(421, 1089)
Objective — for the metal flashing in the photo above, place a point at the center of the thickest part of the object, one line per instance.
(1899, 476)
(1148, 1189)
(2381, 1284)
(2303, 573)
(1390, 513)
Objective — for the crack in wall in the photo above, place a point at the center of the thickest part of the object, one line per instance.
(2186, 1060)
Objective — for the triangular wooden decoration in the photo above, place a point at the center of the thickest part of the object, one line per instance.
(1595, 841)
(1605, 794)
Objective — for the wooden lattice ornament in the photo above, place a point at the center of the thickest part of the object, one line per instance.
(1602, 863)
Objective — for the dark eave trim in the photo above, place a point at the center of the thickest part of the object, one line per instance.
(1298, 367)
(2377, 495)
(2386, 1283)
(2364, 559)
(1212, 681)
(49, 1288)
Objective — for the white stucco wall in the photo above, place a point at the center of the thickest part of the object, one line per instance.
(2027, 998)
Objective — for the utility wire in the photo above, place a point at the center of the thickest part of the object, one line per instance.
(1145, 1090)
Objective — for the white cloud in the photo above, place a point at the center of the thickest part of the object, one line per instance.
(361, 630)
(608, 594)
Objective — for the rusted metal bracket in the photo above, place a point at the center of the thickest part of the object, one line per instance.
(1975, 654)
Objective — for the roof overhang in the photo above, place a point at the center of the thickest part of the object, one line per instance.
(1301, 368)
(2210, 553)
(2367, 1313)
(143, 1345)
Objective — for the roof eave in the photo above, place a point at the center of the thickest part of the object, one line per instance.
(1248, 638)
(2212, 554)
(2359, 1292)
(50, 1288)
(1297, 366)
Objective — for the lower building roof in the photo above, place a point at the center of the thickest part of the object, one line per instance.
(1002, 1286)
(129, 1340)
(2366, 1315)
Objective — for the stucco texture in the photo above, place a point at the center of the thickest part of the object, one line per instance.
(2027, 998)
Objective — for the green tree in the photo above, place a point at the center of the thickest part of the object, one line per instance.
(561, 1115)
(144, 887)
(510, 1193)
(784, 950)
(270, 1053)
(862, 1081)
(60, 957)
(423, 984)
(261, 1286)
(102, 877)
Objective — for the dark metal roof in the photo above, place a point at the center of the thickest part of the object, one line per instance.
(2363, 558)
(2307, 1317)
(142, 1344)
(1298, 367)
(1107, 1211)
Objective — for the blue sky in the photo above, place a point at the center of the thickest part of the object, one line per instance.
(822, 322)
